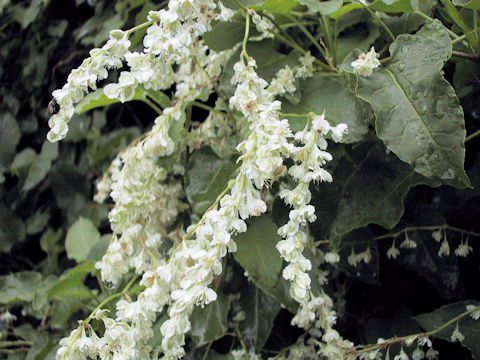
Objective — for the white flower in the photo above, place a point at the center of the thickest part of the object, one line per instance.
(457, 335)
(463, 249)
(437, 235)
(401, 356)
(474, 315)
(418, 354)
(225, 13)
(431, 354)
(365, 63)
(444, 248)
(332, 257)
(393, 252)
(408, 243)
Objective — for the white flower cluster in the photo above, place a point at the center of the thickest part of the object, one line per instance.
(84, 78)
(365, 63)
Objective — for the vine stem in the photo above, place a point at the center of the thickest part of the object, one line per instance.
(410, 228)
(139, 27)
(15, 343)
(472, 136)
(367, 348)
(381, 23)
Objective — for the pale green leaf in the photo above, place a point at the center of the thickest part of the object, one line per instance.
(324, 7)
(277, 6)
(18, 287)
(81, 237)
(206, 176)
(395, 6)
(210, 323)
(467, 326)
(71, 282)
(418, 115)
(469, 4)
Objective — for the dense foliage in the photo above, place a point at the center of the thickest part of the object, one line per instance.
(308, 188)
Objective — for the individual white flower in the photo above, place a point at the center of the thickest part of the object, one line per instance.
(437, 235)
(306, 69)
(225, 13)
(408, 243)
(332, 257)
(418, 354)
(457, 335)
(474, 315)
(393, 252)
(401, 356)
(444, 248)
(463, 249)
(365, 63)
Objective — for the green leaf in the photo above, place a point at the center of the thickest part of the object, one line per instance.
(71, 282)
(99, 99)
(99, 248)
(257, 253)
(210, 323)
(469, 4)
(324, 7)
(81, 237)
(369, 188)
(418, 115)
(49, 242)
(409, 22)
(467, 326)
(360, 38)
(260, 311)
(224, 35)
(32, 168)
(18, 287)
(37, 222)
(388, 6)
(277, 6)
(12, 229)
(9, 138)
(206, 176)
(332, 95)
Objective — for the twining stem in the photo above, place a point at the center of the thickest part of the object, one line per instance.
(408, 229)
(110, 298)
(15, 343)
(368, 348)
(381, 23)
(139, 27)
(472, 136)
(152, 105)
(245, 37)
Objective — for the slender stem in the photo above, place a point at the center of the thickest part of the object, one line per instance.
(152, 105)
(330, 45)
(293, 115)
(465, 55)
(13, 351)
(457, 40)
(242, 341)
(381, 22)
(139, 27)
(245, 37)
(367, 348)
(425, 16)
(309, 36)
(110, 298)
(472, 136)
(411, 228)
(15, 343)
(207, 350)
(204, 106)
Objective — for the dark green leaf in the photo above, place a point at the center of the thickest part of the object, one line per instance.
(210, 323)
(369, 188)
(418, 116)
(206, 177)
(260, 311)
(224, 35)
(49, 242)
(81, 237)
(332, 95)
(12, 229)
(257, 252)
(467, 326)
(9, 138)
(18, 287)
(99, 248)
